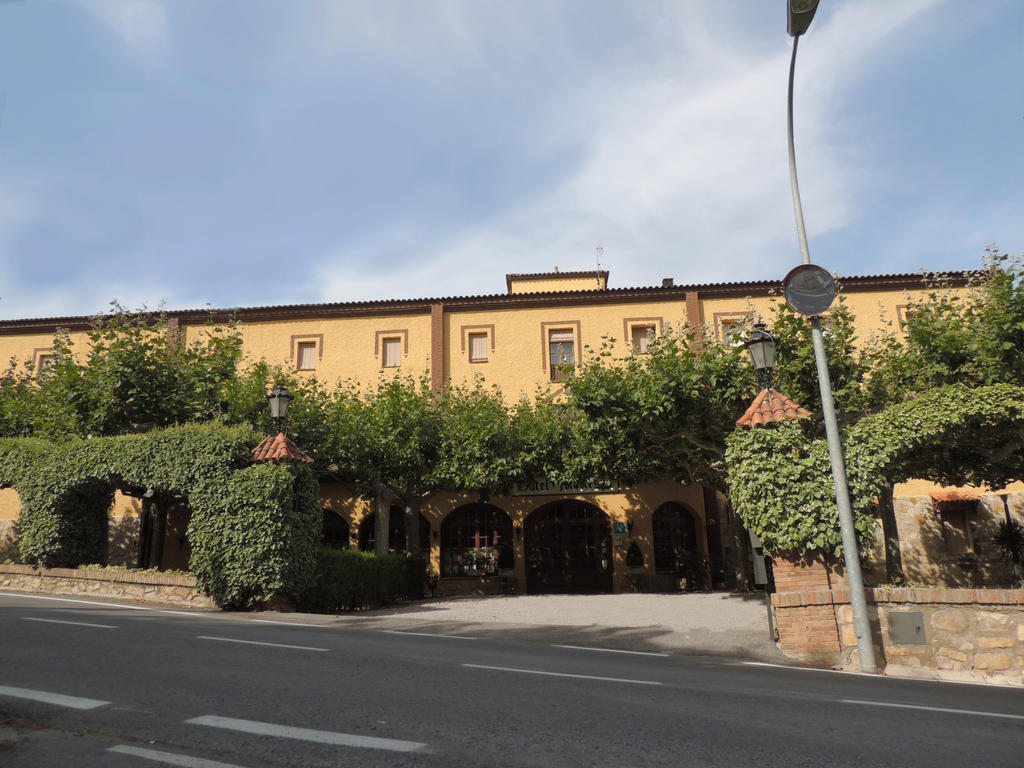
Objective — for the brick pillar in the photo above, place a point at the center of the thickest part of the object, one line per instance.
(173, 328)
(694, 317)
(437, 347)
(806, 592)
(796, 574)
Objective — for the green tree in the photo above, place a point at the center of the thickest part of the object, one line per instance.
(136, 373)
(973, 338)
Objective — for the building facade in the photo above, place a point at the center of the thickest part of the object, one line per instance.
(522, 340)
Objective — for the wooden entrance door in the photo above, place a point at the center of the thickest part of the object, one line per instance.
(568, 549)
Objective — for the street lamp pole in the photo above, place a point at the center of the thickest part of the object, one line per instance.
(800, 14)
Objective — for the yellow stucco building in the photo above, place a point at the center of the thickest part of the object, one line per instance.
(562, 539)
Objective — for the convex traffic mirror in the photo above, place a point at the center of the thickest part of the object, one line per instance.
(809, 289)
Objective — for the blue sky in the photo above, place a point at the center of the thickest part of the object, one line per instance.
(271, 152)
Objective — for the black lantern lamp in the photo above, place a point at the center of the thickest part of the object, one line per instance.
(279, 398)
(761, 348)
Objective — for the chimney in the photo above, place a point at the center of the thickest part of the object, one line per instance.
(667, 282)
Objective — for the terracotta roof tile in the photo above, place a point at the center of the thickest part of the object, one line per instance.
(769, 408)
(279, 448)
(422, 304)
(954, 494)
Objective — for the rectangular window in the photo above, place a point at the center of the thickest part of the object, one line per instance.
(641, 338)
(732, 333)
(392, 353)
(561, 354)
(478, 347)
(956, 530)
(307, 356)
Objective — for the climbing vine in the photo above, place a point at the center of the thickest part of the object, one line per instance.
(781, 483)
(254, 529)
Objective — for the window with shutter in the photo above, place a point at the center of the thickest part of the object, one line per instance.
(307, 356)
(561, 353)
(478, 347)
(642, 335)
(392, 353)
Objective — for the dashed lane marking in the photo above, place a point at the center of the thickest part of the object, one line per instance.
(288, 623)
(258, 642)
(564, 674)
(921, 707)
(58, 699)
(73, 623)
(426, 634)
(609, 650)
(170, 758)
(306, 734)
(29, 596)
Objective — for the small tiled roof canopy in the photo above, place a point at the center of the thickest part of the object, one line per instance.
(954, 494)
(769, 408)
(278, 449)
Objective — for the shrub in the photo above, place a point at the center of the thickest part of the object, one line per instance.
(348, 580)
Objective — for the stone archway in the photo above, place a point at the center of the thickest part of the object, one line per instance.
(396, 531)
(480, 530)
(674, 528)
(568, 549)
(335, 531)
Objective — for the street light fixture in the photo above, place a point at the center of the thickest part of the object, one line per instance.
(761, 348)
(279, 398)
(800, 14)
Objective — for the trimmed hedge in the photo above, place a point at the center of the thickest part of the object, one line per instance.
(349, 580)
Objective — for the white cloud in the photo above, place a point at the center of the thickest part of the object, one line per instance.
(684, 173)
(140, 24)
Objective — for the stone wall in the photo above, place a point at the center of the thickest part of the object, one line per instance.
(938, 555)
(124, 585)
(945, 632)
(973, 633)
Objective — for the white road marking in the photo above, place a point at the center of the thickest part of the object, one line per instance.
(105, 605)
(306, 734)
(257, 642)
(564, 674)
(426, 634)
(75, 623)
(609, 650)
(59, 699)
(804, 669)
(933, 709)
(169, 758)
(879, 676)
(287, 623)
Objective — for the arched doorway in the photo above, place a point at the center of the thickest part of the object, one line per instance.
(472, 537)
(396, 531)
(675, 540)
(335, 530)
(568, 549)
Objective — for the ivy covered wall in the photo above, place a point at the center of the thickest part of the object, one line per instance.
(254, 529)
(780, 479)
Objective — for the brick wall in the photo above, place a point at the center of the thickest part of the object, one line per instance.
(796, 574)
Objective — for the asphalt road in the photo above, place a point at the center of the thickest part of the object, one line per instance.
(94, 684)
